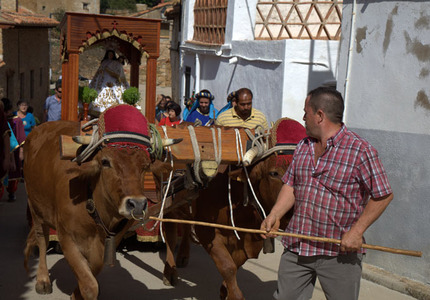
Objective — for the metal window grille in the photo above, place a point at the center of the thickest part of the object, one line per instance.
(298, 19)
(209, 21)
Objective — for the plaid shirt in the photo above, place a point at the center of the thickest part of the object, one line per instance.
(331, 195)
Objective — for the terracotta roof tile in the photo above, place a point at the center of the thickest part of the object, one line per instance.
(25, 17)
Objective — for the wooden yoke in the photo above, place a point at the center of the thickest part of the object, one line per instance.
(183, 152)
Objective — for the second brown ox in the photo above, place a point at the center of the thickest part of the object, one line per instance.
(229, 253)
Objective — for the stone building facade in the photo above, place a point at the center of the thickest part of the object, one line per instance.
(48, 7)
(24, 55)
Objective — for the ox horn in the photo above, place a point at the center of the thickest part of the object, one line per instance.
(82, 139)
(170, 142)
(249, 156)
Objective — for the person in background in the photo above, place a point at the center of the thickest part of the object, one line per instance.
(231, 102)
(160, 107)
(337, 186)
(26, 116)
(242, 114)
(31, 110)
(188, 104)
(174, 110)
(203, 109)
(164, 113)
(52, 108)
(17, 128)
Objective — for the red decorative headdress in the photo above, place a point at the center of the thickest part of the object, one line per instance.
(126, 125)
(287, 132)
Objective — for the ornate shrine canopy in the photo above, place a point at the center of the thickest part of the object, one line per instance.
(82, 30)
(135, 37)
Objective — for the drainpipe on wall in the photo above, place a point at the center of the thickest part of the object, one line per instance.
(350, 52)
(219, 53)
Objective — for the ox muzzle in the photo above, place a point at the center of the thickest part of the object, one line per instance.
(135, 207)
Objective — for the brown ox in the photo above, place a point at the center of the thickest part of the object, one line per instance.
(212, 206)
(58, 191)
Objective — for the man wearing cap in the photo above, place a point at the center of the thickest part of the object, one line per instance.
(242, 114)
(203, 109)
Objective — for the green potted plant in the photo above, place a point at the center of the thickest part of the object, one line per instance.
(88, 95)
(131, 95)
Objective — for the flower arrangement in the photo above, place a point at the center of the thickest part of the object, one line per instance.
(88, 94)
(131, 95)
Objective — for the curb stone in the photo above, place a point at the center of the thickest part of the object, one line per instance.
(395, 282)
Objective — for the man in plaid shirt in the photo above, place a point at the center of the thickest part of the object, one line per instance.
(338, 188)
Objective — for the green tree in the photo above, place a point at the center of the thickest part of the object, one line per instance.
(117, 4)
(58, 14)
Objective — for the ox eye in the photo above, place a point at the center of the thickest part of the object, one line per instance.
(274, 174)
(106, 163)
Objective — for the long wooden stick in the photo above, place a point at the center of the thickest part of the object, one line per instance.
(312, 238)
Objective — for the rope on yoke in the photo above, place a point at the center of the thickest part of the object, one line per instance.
(230, 204)
(277, 149)
(163, 202)
(196, 151)
(258, 139)
(246, 173)
(238, 142)
(92, 146)
(258, 142)
(218, 152)
(156, 142)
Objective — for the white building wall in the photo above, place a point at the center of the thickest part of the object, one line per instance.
(241, 20)
(245, 65)
(385, 80)
(188, 20)
(308, 64)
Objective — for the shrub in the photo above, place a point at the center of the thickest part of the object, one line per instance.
(131, 95)
(88, 94)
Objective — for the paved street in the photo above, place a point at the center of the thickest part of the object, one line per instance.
(138, 273)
